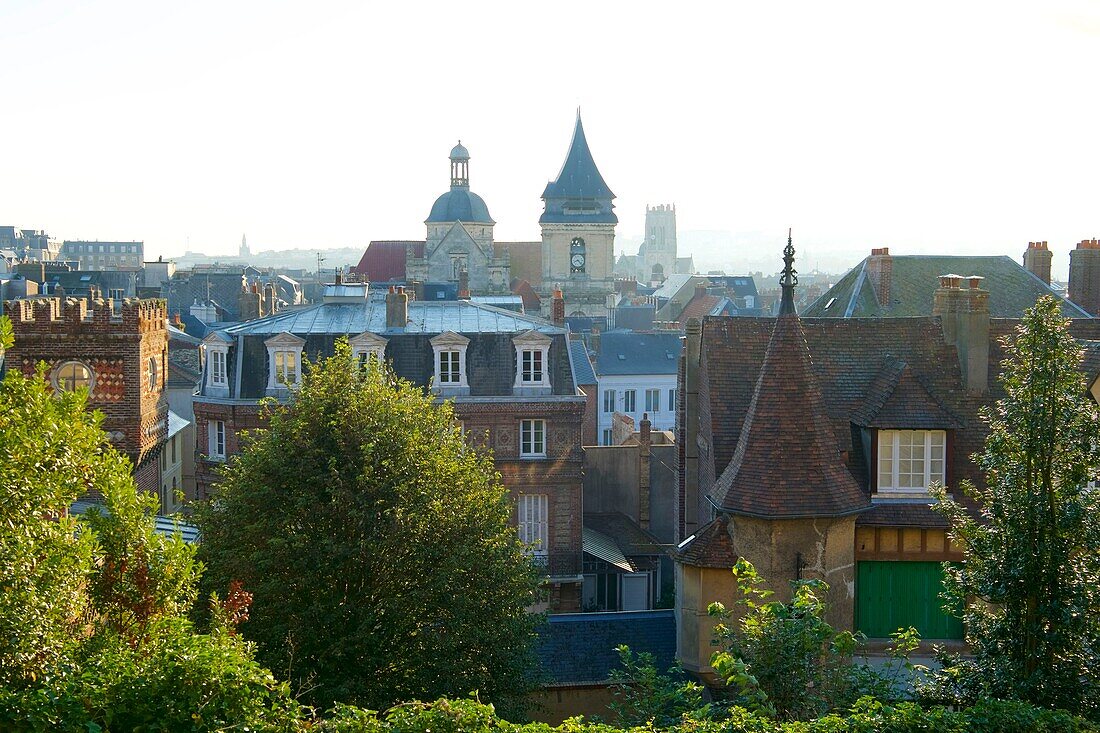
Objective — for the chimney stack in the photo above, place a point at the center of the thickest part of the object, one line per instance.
(594, 340)
(1084, 275)
(964, 318)
(880, 267)
(644, 442)
(397, 307)
(557, 308)
(1037, 260)
(463, 285)
(700, 289)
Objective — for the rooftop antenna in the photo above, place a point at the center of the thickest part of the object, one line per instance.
(320, 259)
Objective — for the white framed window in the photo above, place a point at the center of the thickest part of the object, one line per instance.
(219, 376)
(606, 439)
(630, 400)
(216, 352)
(450, 361)
(609, 400)
(910, 460)
(532, 439)
(215, 433)
(284, 361)
(449, 367)
(73, 375)
(365, 346)
(532, 359)
(533, 523)
(672, 400)
(652, 400)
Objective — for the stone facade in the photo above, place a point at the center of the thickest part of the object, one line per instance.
(125, 351)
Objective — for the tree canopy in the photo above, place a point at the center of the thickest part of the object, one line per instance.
(1029, 584)
(376, 544)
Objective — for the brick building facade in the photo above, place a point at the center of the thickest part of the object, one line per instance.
(510, 378)
(121, 356)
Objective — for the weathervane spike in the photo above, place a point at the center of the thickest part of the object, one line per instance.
(789, 278)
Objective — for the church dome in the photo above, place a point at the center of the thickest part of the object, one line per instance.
(459, 152)
(460, 204)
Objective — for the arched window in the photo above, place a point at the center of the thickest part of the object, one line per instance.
(578, 256)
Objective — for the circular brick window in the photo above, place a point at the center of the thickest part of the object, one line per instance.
(72, 375)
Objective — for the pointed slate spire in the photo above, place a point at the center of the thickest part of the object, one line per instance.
(579, 184)
(787, 463)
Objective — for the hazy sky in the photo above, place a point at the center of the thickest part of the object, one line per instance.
(954, 127)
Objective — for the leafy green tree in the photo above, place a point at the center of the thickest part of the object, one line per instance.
(783, 659)
(644, 696)
(1028, 588)
(93, 635)
(376, 544)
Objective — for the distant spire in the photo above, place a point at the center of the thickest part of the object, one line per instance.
(788, 279)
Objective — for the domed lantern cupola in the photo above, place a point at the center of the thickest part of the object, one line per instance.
(460, 166)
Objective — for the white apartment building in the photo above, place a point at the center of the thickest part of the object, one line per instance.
(636, 374)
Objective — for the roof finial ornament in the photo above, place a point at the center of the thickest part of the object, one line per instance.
(789, 278)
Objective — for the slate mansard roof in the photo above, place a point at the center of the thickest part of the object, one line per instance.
(490, 355)
(913, 281)
(579, 194)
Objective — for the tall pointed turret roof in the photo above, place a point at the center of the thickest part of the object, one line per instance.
(579, 177)
(787, 463)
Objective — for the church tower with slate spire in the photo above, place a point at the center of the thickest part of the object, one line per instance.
(786, 501)
(578, 230)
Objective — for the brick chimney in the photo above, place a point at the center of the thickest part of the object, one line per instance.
(700, 289)
(463, 285)
(880, 267)
(1084, 275)
(594, 340)
(645, 440)
(964, 318)
(557, 308)
(1037, 260)
(397, 307)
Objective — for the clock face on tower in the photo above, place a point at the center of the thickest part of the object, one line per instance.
(577, 256)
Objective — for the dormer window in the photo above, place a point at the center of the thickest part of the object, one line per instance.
(284, 357)
(532, 362)
(367, 346)
(216, 351)
(910, 460)
(450, 363)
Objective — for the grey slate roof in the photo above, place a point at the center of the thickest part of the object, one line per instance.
(166, 526)
(578, 181)
(459, 204)
(579, 648)
(637, 352)
(582, 365)
(460, 316)
(914, 279)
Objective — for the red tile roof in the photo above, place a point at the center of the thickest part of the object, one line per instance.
(384, 260)
(710, 547)
(788, 463)
(697, 307)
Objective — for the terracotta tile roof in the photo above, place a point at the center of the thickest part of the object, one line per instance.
(787, 462)
(384, 260)
(699, 306)
(710, 547)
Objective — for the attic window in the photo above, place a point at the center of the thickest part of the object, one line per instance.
(85, 278)
(622, 357)
(830, 303)
(669, 355)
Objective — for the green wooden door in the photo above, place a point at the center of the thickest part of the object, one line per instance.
(893, 595)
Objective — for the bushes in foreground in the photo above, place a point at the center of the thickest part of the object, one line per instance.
(867, 716)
